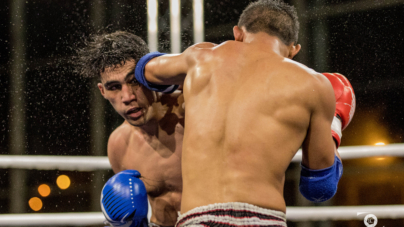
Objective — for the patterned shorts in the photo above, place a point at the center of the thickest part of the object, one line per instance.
(232, 215)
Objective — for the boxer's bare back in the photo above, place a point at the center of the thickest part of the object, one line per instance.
(249, 109)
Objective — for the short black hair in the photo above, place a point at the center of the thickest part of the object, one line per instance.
(273, 17)
(108, 50)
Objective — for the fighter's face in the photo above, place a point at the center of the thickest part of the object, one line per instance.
(130, 99)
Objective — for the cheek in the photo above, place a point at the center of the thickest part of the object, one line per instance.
(144, 96)
(141, 99)
(113, 102)
(112, 98)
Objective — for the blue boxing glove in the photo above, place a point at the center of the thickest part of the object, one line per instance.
(139, 75)
(124, 200)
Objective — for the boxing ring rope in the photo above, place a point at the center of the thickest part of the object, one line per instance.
(52, 219)
(42, 162)
(92, 163)
(292, 214)
(324, 213)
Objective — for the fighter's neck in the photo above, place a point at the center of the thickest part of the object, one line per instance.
(267, 42)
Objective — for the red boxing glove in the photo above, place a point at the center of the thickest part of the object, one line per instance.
(346, 103)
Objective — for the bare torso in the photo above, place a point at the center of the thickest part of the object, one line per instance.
(158, 158)
(248, 112)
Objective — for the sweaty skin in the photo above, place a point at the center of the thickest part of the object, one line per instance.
(249, 109)
(149, 140)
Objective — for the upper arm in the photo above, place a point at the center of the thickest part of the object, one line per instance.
(117, 146)
(318, 146)
(172, 68)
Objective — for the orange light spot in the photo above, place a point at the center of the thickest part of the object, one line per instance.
(63, 182)
(44, 190)
(380, 144)
(35, 203)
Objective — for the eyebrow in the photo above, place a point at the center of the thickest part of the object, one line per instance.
(130, 74)
(109, 83)
(127, 77)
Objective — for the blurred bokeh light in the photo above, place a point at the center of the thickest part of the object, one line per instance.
(63, 182)
(44, 190)
(35, 203)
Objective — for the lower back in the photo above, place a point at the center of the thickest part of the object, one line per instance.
(246, 166)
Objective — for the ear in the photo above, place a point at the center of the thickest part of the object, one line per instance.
(101, 87)
(238, 34)
(293, 50)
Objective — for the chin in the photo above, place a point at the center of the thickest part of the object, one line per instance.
(139, 122)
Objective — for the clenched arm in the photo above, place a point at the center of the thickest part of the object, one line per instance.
(318, 146)
(172, 68)
(321, 168)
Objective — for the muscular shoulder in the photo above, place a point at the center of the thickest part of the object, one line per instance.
(312, 77)
(325, 91)
(117, 145)
(315, 85)
(322, 95)
(199, 52)
(207, 51)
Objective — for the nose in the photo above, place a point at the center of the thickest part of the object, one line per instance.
(128, 95)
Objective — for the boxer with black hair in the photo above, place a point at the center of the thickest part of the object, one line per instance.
(148, 141)
(249, 109)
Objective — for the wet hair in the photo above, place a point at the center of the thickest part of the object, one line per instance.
(273, 17)
(108, 50)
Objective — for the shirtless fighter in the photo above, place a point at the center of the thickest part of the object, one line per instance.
(249, 109)
(150, 138)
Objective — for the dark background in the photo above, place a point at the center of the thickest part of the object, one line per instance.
(360, 39)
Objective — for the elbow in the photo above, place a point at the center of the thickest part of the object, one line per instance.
(317, 192)
(320, 185)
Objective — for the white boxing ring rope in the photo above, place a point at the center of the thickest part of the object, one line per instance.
(292, 214)
(43, 162)
(91, 163)
(52, 219)
(341, 213)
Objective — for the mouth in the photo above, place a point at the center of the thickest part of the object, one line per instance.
(134, 113)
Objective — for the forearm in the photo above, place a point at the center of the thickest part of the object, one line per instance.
(319, 148)
(167, 69)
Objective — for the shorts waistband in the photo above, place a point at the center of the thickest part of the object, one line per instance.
(232, 214)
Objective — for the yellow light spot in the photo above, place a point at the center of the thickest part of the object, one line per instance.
(35, 203)
(44, 190)
(380, 144)
(380, 159)
(63, 182)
